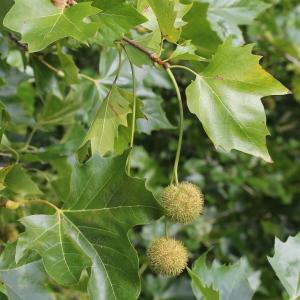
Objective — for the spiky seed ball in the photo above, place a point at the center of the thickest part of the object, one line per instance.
(167, 256)
(183, 202)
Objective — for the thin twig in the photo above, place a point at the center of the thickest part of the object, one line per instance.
(23, 47)
(153, 56)
(181, 121)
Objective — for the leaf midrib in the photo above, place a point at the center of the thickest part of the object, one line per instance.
(107, 208)
(59, 16)
(230, 113)
(91, 245)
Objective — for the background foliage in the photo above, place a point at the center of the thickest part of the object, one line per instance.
(45, 114)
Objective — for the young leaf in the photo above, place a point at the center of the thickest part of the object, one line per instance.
(226, 99)
(219, 282)
(166, 17)
(92, 229)
(186, 51)
(286, 264)
(111, 114)
(41, 23)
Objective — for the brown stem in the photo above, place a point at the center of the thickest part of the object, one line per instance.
(153, 56)
(23, 47)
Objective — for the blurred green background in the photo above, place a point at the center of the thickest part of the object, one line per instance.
(248, 201)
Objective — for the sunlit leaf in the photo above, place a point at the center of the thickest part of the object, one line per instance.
(104, 129)
(41, 23)
(166, 17)
(115, 19)
(226, 97)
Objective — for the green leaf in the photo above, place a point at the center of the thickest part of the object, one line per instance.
(151, 41)
(115, 19)
(26, 94)
(58, 112)
(5, 7)
(41, 23)
(186, 51)
(26, 280)
(286, 264)
(225, 16)
(45, 79)
(91, 230)
(202, 291)
(69, 67)
(219, 282)
(3, 172)
(166, 16)
(155, 117)
(123, 139)
(226, 99)
(2, 290)
(4, 119)
(2, 81)
(111, 114)
(19, 182)
(199, 31)
(296, 87)
(137, 57)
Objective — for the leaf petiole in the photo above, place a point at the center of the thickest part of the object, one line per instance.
(39, 201)
(133, 111)
(181, 120)
(184, 68)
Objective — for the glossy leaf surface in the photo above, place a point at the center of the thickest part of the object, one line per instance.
(226, 97)
(91, 230)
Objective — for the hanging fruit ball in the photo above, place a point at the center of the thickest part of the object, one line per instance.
(167, 256)
(182, 202)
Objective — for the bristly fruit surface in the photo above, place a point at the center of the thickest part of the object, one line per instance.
(183, 202)
(167, 256)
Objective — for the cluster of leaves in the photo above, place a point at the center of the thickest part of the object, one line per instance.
(74, 93)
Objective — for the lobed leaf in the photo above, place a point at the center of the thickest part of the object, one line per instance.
(286, 264)
(166, 16)
(91, 230)
(226, 16)
(198, 29)
(111, 114)
(219, 282)
(115, 19)
(226, 98)
(41, 23)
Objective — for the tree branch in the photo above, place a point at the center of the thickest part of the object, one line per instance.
(17, 42)
(153, 56)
